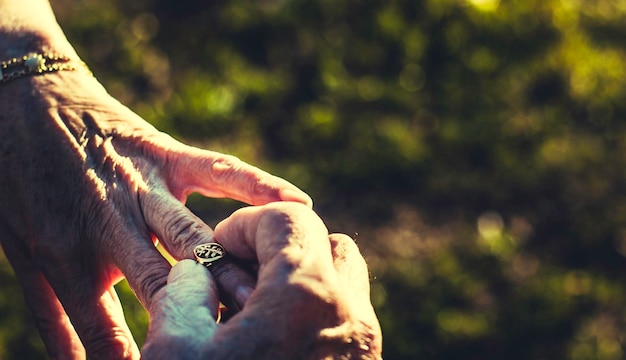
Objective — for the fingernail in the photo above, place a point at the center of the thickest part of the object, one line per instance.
(297, 196)
(242, 294)
(180, 269)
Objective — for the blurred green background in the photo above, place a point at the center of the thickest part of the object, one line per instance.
(474, 148)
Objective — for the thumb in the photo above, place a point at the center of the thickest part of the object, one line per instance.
(182, 315)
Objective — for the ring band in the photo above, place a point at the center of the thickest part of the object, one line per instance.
(208, 253)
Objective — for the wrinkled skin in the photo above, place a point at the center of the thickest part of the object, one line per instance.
(311, 300)
(86, 187)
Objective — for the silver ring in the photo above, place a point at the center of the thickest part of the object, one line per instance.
(207, 254)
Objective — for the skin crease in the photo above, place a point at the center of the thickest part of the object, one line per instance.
(312, 292)
(78, 217)
(87, 186)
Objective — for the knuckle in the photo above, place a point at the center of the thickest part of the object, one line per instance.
(342, 242)
(290, 212)
(292, 217)
(224, 168)
(259, 185)
(183, 232)
(351, 340)
(343, 247)
(232, 172)
(293, 233)
(148, 284)
(109, 343)
(349, 262)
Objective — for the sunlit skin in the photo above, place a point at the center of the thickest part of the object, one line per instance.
(87, 186)
(311, 300)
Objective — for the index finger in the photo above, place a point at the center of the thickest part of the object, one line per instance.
(217, 175)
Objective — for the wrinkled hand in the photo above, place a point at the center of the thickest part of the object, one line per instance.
(311, 300)
(86, 185)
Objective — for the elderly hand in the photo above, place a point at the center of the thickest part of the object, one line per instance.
(85, 184)
(85, 187)
(311, 300)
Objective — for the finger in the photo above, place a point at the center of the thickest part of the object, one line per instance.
(354, 280)
(180, 231)
(266, 232)
(350, 265)
(296, 291)
(217, 175)
(117, 231)
(144, 267)
(176, 227)
(289, 241)
(183, 314)
(299, 292)
(97, 316)
(353, 275)
(133, 252)
(54, 326)
(85, 286)
(236, 284)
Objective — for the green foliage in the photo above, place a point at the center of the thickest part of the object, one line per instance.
(475, 146)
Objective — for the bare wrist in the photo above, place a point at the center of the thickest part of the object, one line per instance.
(29, 26)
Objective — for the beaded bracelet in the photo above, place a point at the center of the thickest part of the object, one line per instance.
(34, 64)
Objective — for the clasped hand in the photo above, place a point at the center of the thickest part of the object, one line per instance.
(88, 186)
(311, 300)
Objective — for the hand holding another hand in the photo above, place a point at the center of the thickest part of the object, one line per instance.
(311, 300)
(87, 186)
